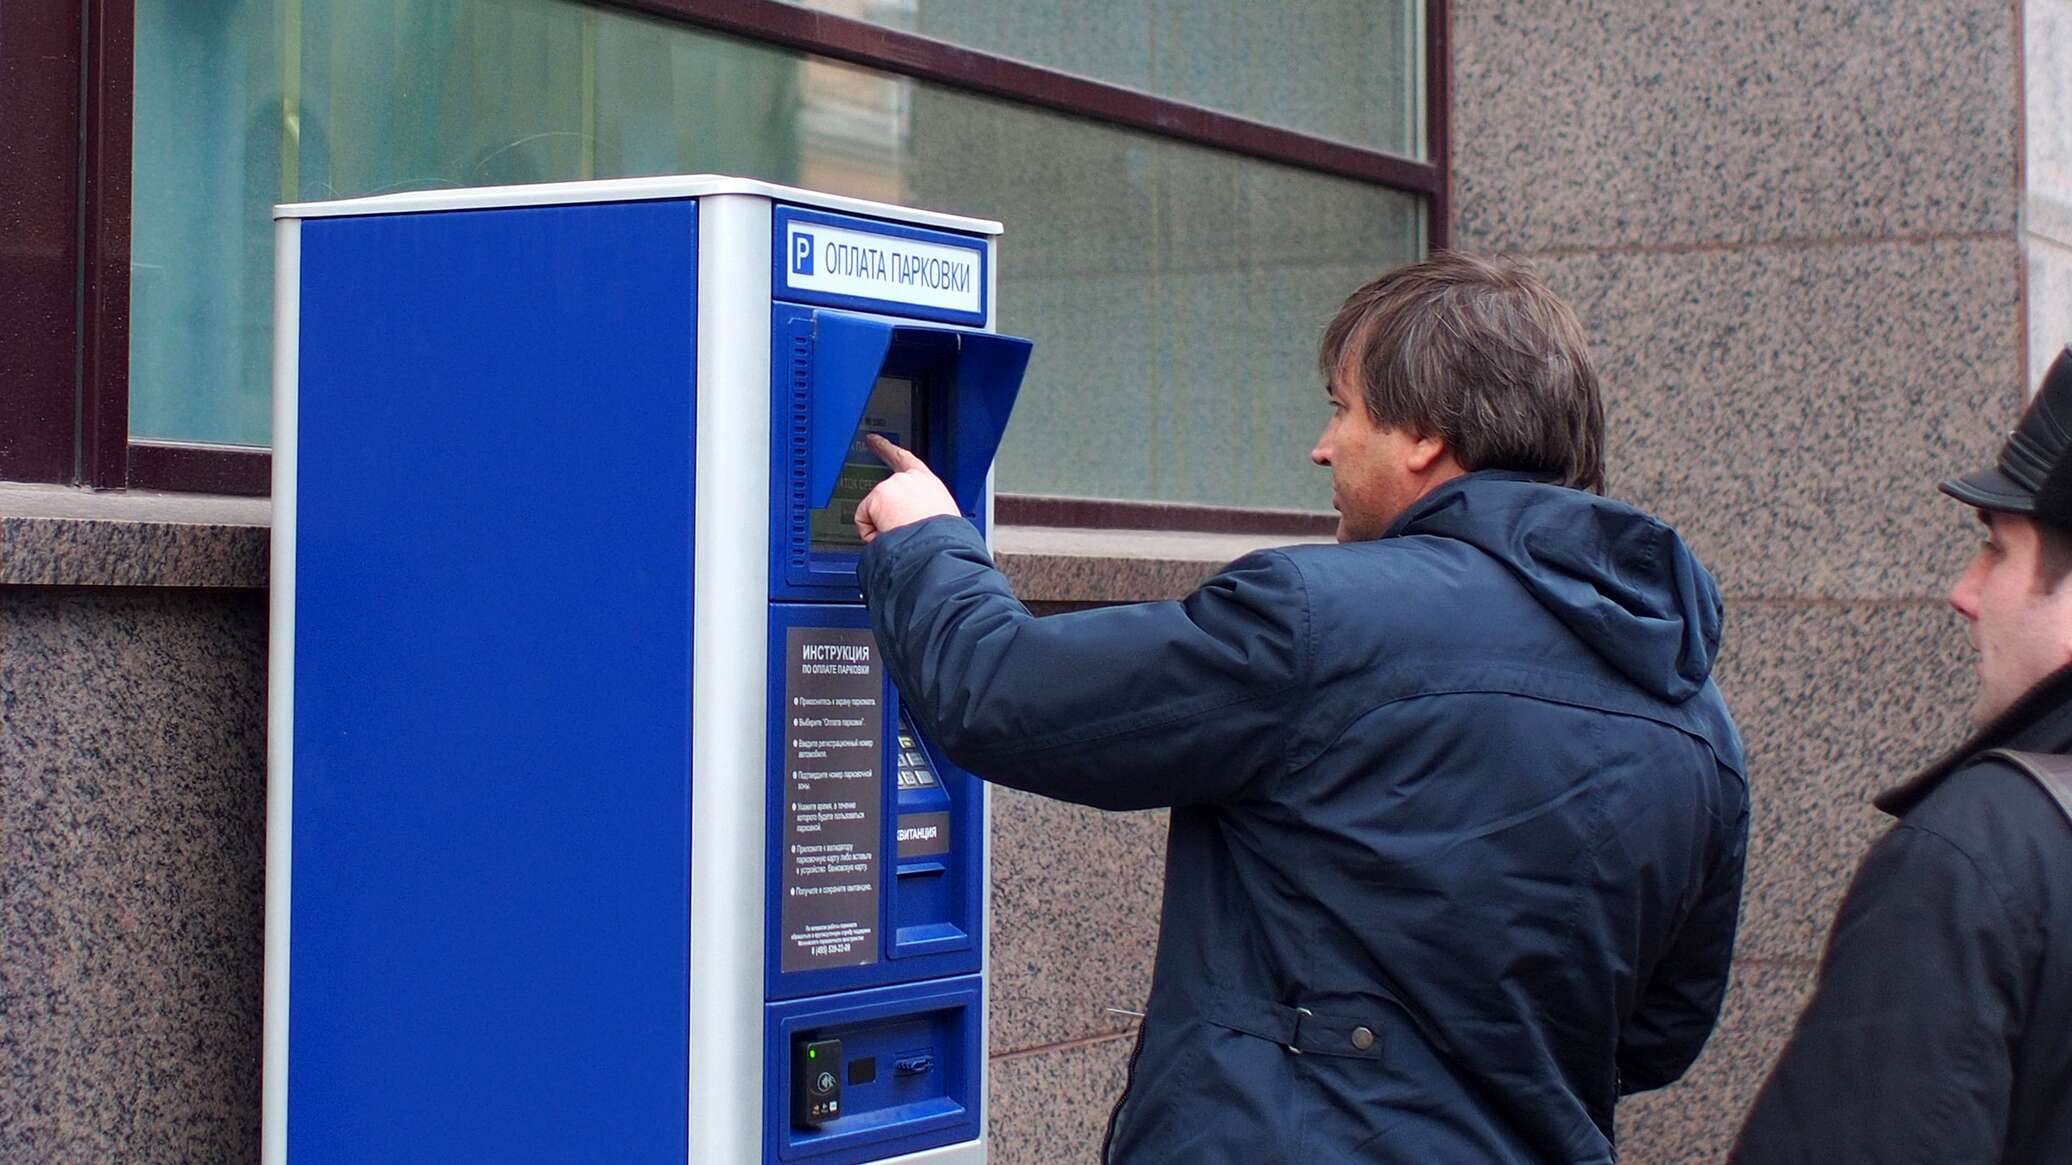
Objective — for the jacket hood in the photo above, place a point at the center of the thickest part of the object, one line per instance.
(1622, 582)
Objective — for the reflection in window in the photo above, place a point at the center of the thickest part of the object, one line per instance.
(1350, 70)
(1175, 292)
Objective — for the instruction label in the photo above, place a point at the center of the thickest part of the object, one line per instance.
(834, 798)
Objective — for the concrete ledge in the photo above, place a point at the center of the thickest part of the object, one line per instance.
(1060, 565)
(59, 536)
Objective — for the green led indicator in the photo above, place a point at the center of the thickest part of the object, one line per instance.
(812, 1053)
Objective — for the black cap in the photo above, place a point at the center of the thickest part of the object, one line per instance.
(2033, 477)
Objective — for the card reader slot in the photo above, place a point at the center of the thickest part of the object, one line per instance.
(908, 1060)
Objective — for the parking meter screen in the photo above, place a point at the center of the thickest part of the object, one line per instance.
(890, 414)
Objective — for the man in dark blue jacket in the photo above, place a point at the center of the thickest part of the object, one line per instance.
(1458, 816)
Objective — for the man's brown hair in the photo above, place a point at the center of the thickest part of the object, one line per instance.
(1479, 353)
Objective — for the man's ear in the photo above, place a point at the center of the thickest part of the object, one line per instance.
(1425, 454)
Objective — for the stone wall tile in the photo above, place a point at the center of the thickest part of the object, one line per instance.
(1075, 918)
(132, 824)
(1594, 123)
(1790, 409)
(1835, 702)
(1051, 1107)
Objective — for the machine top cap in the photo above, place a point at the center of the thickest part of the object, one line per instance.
(624, 190)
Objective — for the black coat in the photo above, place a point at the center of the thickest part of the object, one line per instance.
(1458, 816)
(1941, 1029)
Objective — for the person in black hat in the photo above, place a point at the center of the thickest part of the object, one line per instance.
(1939, 1029)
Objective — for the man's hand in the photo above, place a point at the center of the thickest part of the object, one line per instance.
(909, 495)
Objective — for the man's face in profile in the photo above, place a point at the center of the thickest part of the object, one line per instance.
(1371, 478)
(2021, 630)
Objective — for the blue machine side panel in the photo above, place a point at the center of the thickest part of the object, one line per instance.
(490, 914)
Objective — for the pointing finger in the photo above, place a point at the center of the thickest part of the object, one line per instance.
(892, 455)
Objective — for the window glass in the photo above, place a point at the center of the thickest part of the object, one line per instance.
(1175, 292)
(1176, 296)
(1351, 70)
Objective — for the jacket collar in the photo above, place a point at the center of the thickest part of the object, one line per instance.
(1431, 501)
(2041, 720)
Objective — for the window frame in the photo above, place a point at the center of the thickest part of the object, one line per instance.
(64, 323)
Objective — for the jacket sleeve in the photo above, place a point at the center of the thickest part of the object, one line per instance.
(1680, 1003)
(1903, 1054)
(1132, 707)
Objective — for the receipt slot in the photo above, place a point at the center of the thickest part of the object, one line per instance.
(596, 828)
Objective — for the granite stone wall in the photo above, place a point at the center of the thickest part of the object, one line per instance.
(132, 845)
(1791, 230)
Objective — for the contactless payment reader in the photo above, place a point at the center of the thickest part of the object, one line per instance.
(596, 828)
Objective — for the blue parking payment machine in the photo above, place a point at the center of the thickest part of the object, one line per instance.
(596, 829)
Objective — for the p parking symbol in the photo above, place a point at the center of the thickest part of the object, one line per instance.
(801, 253)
